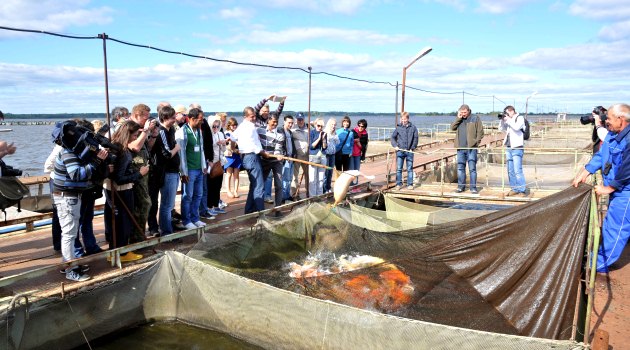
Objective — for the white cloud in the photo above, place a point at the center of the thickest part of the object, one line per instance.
(50, 15)
(501, 6)
(347, 7)
(237, 13)
(600, 9)
(293, 35)
(615, 31)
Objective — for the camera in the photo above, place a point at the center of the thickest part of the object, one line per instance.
(502, 115)
(8, 170)
(589, 119)
(84, 143)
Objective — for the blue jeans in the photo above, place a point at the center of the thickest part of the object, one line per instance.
(203, 203)
(401, 156)
(328, 174)
(515, 169)
(167, 201)
(355, 164)
(191, 196)
(255, 201)
(268, 183)
(466, 156)
(287, 175)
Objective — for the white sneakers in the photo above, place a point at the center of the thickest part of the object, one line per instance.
(200, 223)
(190, 226)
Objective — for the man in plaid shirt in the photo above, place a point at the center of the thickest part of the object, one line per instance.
(272, 142)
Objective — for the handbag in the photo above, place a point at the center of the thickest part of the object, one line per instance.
(342, 144)
(216, 170)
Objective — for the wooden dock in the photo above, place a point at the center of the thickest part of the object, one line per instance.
(22, 251)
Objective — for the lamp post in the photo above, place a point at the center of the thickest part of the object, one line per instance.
(421, 54)
(527, 100)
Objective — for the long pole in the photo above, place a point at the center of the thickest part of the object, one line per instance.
(104, 37)
(308, 127)
(396, 113)
(113, 187)
(402, 107)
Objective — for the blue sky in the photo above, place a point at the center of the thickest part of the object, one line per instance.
(574, 53)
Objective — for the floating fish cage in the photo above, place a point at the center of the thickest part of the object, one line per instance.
(347, 278)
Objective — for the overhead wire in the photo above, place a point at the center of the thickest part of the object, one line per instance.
(123, 42)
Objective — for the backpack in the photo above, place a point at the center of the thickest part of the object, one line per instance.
(526, 129)
(11, 192)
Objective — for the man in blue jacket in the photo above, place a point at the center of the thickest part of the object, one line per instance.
(613, 159)
(404, 139)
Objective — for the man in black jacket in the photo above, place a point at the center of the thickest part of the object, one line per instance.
(404, 139)
(166, 169)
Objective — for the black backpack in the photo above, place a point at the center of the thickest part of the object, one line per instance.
(526, 129)
(11, 192)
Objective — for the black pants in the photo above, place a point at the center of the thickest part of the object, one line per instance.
(214, 190)
(154, 190)
(124, 224)
(342, 163)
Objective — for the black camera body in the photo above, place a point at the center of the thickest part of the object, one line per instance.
(502, 115)
(84, 143)
(8, 170)
(589, 119)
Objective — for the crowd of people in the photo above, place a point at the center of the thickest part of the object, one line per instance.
(150, 159)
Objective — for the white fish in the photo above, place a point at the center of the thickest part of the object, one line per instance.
(343, 183)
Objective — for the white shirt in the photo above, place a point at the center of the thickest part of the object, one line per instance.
(514, 127)
(247, 138)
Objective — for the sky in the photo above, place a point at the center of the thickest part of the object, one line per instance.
(485, 53)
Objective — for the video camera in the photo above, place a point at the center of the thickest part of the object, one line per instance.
(84, 143)
(589, 119)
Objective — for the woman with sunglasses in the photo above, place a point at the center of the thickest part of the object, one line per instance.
(333, 144)
(360, 146)
(319, 144)
(233, 165)
(215, 183)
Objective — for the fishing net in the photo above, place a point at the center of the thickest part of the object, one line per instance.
(435, 215)
(513, 271)
(310, 279)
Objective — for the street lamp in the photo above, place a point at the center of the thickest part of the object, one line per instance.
(527, 100)
(421, 54)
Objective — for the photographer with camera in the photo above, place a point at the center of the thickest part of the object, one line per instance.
(613, 159)
(73, 170)
(140, 148)
(598, 120)
(513, 123)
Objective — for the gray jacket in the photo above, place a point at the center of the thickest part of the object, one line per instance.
(405, 137)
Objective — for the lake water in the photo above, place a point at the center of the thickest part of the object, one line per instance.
(168, 336)
(34, 142)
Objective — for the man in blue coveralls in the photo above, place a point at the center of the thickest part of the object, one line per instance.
(613, 159)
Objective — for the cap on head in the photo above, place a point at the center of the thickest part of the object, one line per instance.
(180, 109)
(299, 116)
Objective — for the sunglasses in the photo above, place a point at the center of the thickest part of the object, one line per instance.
(215, 126)
(361, 126)
(319, 125)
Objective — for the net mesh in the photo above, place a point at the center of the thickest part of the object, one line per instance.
(482, 273)
(507, 279)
